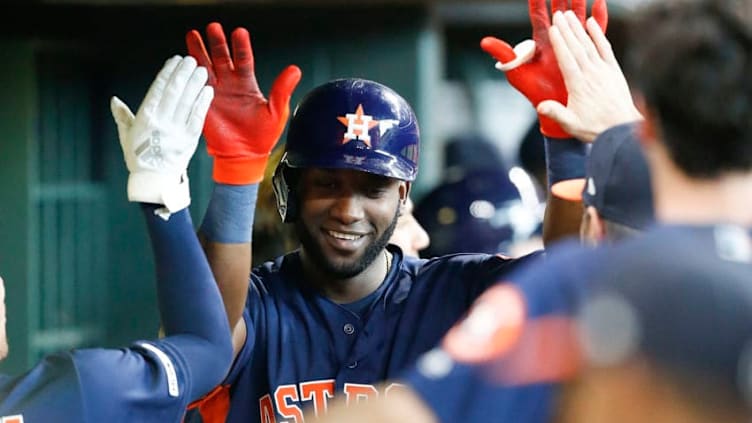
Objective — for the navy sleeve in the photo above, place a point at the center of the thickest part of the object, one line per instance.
(49, 392)
(153, 381)
(149, 382)
(190, 305)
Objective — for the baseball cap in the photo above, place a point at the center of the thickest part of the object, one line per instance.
(683, 301)
(618, 180)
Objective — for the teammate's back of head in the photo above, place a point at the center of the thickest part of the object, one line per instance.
(691, 61)
(673, 333)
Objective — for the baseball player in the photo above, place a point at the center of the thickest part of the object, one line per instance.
(498, 363)
(151, 381)
(477, 207)
(347, 309)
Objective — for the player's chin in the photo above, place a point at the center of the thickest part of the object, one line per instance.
(346, 267)
(345, 263)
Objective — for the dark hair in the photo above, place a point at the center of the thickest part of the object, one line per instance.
(692, 61)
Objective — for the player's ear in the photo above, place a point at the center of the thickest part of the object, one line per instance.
(404, 192)
(598, 228)
(648, 128)
(591, 227)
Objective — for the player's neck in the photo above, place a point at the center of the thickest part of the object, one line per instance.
(683, 200)
(347, 290)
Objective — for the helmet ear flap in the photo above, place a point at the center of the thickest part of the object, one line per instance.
(284, 182)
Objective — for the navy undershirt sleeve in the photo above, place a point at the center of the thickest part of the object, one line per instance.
(190, 305)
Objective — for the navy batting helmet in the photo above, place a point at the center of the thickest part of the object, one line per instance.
(483, 212)
(348, 124)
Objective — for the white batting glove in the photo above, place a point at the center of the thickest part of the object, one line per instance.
(159, 141)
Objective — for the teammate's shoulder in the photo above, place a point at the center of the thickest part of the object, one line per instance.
(705, 239)
(725, 242)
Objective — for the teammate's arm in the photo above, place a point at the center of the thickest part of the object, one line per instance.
(599, 96)
(152, 381)
(172, 115)
(532, 69)
(241, 129)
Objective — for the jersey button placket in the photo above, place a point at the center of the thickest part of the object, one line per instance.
(349, 329)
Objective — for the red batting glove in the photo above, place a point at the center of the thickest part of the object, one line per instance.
(242, 127)
(536, 74)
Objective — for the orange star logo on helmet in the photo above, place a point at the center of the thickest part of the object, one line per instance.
(358, 124)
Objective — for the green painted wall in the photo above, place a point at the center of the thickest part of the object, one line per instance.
(17, 95)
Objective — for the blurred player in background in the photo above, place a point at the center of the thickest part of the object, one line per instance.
(478, 207)
(151, 381)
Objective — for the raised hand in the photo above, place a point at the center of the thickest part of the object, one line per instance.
(599, 96)
(159, 141)
(531, 65)
(242, 127)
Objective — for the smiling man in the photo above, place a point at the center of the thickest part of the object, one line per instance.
(348, 309)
